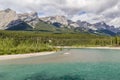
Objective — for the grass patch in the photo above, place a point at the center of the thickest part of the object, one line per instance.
(11, 46)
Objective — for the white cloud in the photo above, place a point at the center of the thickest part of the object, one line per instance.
(90, 17)
(115, 22)
(96, 10)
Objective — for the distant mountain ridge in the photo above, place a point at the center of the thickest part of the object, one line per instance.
(10, 20)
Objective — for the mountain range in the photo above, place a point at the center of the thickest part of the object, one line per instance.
(10, 20)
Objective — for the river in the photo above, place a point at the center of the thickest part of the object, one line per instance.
(68, 64)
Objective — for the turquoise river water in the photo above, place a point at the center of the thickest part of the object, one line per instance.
(68, 64)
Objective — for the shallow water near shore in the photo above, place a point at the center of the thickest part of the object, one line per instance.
(69, 64)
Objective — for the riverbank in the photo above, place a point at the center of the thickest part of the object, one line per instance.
(17, 56)
(118, 48)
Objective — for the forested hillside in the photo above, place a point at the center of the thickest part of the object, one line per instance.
(14, 42)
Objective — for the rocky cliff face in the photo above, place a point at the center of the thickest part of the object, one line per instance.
(30, 18)
(56, 19)
(60, 21)
(6, 17)
(9, 18)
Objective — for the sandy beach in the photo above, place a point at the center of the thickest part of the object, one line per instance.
(17, 56)
(7, 57)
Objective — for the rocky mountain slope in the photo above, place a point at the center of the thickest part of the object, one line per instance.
(56, 19)
(82, 26)
(6, 17)
(11, 20)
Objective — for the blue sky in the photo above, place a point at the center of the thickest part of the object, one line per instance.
(86, 10)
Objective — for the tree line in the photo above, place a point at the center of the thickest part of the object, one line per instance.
(61, 39)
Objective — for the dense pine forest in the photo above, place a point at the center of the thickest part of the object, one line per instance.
(15, 42)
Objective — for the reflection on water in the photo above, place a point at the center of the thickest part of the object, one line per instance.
(42, 76)
(79, 64)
